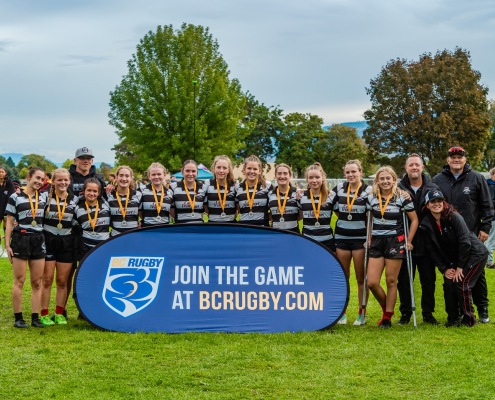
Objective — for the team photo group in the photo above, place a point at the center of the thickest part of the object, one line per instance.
(393, 225)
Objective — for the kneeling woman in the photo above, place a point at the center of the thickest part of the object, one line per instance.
(282, 201)
(188, 195)
(387, 245)
(458, 254)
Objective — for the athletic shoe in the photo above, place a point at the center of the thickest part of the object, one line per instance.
(450, 324)
(483, 315)
(60, 319)
(467, 324)
(490, 266)
(20, 323)
(46, 320)
(431, 320)
(360, 320)
(403, 320)
(385, 323)
(343, 320)
(64, 313)
(37, 323)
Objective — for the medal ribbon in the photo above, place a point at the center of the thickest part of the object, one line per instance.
(189, 197)
(89, 215)
(222, 204)
(354, 197)
(158, 206)
(317, 213)
(280, 207)
(60, 215)
(33, 210)
(382, 210)
(126, 201)
(251, 200)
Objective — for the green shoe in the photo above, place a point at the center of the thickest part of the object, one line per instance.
(60, 319)
(45, 320)
(343, 320)
(360, 320)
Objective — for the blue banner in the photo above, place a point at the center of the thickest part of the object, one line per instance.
(211, 278)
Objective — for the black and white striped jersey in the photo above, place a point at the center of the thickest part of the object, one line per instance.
(324, 232)
(102, 225)
(51, 216)
(291, 211)
(354, 229)
(131, 215)
(260, 204)
(19, 207)
(148, 205)
(183, 208)
(212, 200)
(393, 223)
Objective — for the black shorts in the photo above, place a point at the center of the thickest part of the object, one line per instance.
(28, 246)
(350, 244)
(59, 248)
(391, 247)
(330, 244)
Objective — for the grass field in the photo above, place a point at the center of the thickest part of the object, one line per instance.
(347, 362)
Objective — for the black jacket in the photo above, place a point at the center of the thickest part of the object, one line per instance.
(419, 202)
(77, 180)
(6, 190)
(471, 250)
(469, 194)
(491, 188)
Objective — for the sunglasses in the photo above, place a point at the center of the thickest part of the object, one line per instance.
(457, 150)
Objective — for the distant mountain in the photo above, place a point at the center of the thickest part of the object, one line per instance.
(16, 157)
(359, 125)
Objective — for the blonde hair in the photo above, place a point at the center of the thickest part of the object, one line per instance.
(396, 192)
(258, 161)
(55, 172)
(283, 165)
(492, 171)
(131, 184)
(156, 165)
(230, 175)
(323, 188)
(355, 162)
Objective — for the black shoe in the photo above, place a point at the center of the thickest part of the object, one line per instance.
(467, 324)
(37, 323)
(490, 266)
(403, 320)
(451, 324)
(20, 323)
(385, 323)
(483, 316)
(431, 320)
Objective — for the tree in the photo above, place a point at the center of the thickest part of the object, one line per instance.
(105, 169)
(35, 160)
(267, 123)
(153, 107)
(297, 141)
(10, 162)
(67, 163)
(427, 106)
(339, 144)
(488, 160)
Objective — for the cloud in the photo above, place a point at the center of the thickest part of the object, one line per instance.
(71, 60)
(5, 43)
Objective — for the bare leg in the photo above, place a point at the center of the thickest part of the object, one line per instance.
(391, 273)
(47, 284)
(36, 268)
(358, 257)
(375, 270)
(63, 271)
(19, 271)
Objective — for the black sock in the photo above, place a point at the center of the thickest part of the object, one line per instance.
(34, 316)
(18, 316)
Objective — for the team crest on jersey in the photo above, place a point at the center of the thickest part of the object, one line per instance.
(132, 283)
(466, 190)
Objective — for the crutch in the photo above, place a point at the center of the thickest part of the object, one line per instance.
(409, 266)
(363, 306)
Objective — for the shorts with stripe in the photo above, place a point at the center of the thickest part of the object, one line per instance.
(389, 247)
(28, 246)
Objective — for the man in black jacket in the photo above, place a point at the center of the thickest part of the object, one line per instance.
(417, 185)
(468, 192)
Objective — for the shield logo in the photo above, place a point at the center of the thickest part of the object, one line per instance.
(132, 283)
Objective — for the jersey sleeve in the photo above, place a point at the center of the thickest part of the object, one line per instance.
(408, 205)
(11, 205)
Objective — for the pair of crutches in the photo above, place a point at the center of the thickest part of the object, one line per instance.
(409, 266)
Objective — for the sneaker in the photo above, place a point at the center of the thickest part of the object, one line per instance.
(451, 324)
(46, 320)
(360, 320)
(343, 320)
(403, 320)
(385, 323)
(60, 319)
(20, 324)
(431, 320)
(37, 323)
(490, 266)
(483, 316)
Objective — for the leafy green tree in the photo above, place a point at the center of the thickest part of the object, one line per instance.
(488, 160)
(10, 162)
(105, 169)
(267, 123)
(427, 106)
(297, 141)
(35, 160)
(153, 107)
(67, 163)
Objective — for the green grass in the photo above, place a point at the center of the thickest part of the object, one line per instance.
(347, 362)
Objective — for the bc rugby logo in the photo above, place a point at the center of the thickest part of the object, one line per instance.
(131, 283)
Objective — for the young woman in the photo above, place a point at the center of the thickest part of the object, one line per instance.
(458, 254)
(221, 191)
(189, 195)
(283, 202)
(57, 228)
(28, 244)
(315, 207)
(387, 245)
(93, 214)
(124, 202)
(252, 194)
(7, 189)
(350, 230)
(156, 199)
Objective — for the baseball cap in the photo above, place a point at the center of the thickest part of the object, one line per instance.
(457, 150)
(84, 151)
(433, 194)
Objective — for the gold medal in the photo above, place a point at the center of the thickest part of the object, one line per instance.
(349, 217)
(192, 202)
(60, 214)
(317, 212)
(382, 210)
(59, 226)
(158, 206)
(222, 204)
(280, 207)
(251, 200)
(33, 209)
(93, 223)
(123, 210)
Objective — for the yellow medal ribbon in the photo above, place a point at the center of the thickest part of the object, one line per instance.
(123, 210)
(33, 209)
(353, 198)
(60, 214)
(251, 200)
(158, 206)
(280, 207)
(192, 202)
(317, 213)
(93, 223)
(222, 204)
(382, 210)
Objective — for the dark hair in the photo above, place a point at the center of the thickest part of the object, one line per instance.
(448, 210)
(85, 185)
(189, 162)
(32, 170)
(6, 181)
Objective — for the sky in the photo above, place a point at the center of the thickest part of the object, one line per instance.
(59, 60)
